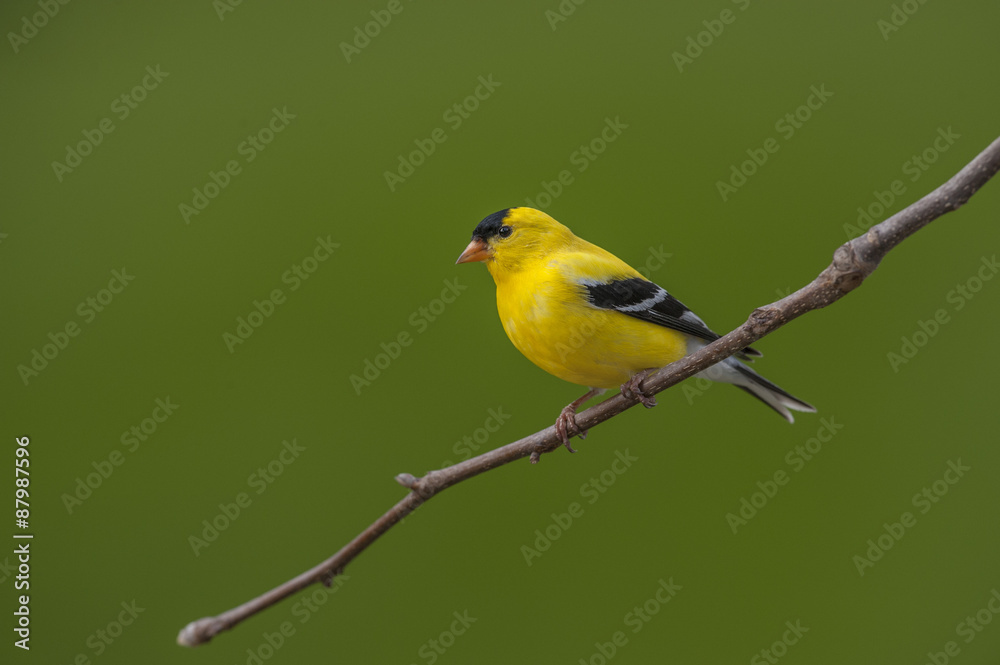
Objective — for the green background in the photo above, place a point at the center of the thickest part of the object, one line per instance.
(699, 452)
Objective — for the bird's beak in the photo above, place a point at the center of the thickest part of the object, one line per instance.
(477, 250)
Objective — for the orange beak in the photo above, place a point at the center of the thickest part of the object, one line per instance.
(477, 250)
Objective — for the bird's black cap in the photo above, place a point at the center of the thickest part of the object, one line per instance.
(490, 225)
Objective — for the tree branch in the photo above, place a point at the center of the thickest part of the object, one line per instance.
(852, 263)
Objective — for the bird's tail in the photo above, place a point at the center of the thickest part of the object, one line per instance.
(733, 371)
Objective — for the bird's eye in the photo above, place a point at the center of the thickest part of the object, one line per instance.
(505, 231)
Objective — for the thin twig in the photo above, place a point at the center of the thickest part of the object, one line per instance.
(852, 263)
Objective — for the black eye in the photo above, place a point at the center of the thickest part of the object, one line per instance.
(505, 231)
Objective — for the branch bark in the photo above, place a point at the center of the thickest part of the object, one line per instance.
(852, 263)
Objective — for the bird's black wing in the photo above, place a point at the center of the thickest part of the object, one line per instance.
(642, 299)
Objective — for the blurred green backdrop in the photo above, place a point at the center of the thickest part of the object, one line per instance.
(213, 153)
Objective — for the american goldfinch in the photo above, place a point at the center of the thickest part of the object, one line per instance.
(584, 315)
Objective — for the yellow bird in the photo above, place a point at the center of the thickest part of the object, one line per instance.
(584, 315)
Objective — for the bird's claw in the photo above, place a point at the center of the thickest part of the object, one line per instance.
(631, 390)
(566, 427)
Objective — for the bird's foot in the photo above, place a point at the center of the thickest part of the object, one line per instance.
(631, 389)
(566, 427)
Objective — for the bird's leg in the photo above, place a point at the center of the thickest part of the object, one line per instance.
(631, 389)
(566, 426)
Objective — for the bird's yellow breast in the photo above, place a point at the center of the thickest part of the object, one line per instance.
(547, 317)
